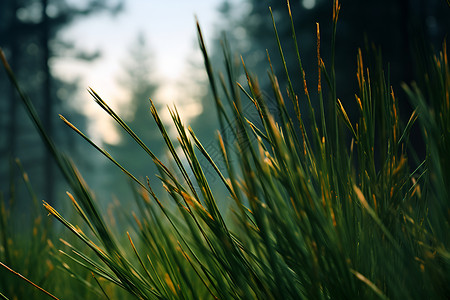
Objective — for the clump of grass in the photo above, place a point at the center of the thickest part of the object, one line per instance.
(26, 250)
(328, 209)
(18, 248)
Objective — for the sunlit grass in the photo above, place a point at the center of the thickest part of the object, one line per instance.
(325, 209)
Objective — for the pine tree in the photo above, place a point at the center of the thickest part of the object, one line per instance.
(138, 82)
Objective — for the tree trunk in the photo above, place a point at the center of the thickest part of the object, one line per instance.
(48, 103)
(12, 109)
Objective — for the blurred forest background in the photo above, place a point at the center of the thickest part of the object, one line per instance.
(29, 35)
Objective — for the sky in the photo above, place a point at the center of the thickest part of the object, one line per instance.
(169, 29)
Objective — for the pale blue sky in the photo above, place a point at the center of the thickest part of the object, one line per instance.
(169, 27)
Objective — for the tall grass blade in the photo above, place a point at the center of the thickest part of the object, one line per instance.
(27, 280)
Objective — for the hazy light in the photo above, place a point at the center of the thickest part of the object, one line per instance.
(309, 4)
(171, 32)
(52, 10)
(30, 13)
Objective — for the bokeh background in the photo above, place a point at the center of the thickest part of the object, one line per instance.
(132, 50)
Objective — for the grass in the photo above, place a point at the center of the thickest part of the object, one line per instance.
(329, 209)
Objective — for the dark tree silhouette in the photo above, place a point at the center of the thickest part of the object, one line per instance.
(28, 32)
